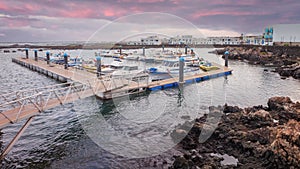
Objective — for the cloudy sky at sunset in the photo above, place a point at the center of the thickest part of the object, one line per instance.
(77, 20)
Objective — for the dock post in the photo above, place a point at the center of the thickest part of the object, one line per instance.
(185, 51)
(98, 58)
(48, 57)
(143, 51)
(66, 60)
(181, 67)
(35, 55)
(26, 52)
(226, 58)
(120, 49)
(163, 48)
(192, 52)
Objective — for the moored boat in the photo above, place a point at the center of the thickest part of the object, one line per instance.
(207, 66)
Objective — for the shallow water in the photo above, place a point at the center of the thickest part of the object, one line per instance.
(63, 137)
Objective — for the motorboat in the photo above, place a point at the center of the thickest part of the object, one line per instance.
(147, 59)
(57, 58)
(170, 67)
(75, 61)
(117, 63)
(128, 72)
(89, 65)
(207, 66)
(133, 57)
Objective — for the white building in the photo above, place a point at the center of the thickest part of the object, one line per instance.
(223, 40)
(134, 43)
(151, 40)
(184, 39)
(254, 40)
(200, 41)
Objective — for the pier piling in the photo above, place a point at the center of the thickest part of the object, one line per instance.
(35, 55)
(48, 57)
(185, 49)
(98, 58)
(226, 58)
(143, 51)
(26, 52)
(181, 67)
(120, 49)
(66, 60)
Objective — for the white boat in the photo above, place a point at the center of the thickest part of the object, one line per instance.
(107, 70)
(128, 72)
(191, 60)
(147, 59)
(170, 67)
(75, 61)
(57, 58)
(117, 63)
(132, 57)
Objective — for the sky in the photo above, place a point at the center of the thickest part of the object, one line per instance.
(113, 20)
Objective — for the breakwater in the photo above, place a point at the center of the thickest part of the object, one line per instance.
(285, 60)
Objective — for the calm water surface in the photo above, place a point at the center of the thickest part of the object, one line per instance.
(57, 137)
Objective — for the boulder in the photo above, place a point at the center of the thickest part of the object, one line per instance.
(277, 103)
(181, 163)
(296, 74)
(231, 109)
(287, 143)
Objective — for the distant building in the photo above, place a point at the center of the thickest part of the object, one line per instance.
(286, 34)
(268, 36)
(223, 40)
(253, 40)
(134, 43)
(151, 40)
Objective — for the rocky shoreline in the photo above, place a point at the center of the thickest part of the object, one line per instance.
(257, 137)
(285, 60)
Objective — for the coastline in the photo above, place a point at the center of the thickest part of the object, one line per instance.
(284, 59)
(257, 137)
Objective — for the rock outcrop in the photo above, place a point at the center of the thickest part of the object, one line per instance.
(258, 137)
(285, 60)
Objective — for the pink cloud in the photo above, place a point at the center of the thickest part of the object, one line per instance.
(232, 13)
(149, 1)
(113, 12)
(77, 13)
(234, 2)
(3, 6)
(140, 1)
(32, 7)
(15, 23)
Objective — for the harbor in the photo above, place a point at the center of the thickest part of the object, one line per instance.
(235, 89)
(149, 84)
(79, 84)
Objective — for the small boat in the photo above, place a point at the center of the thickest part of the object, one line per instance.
(57, 58)
(191, 60)
(89, 65)
(207, 66)
(147, 59)
(77, 61)
(171, 67)
(117, 63)
(128, 72)
(104, 70)
(132, 57)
